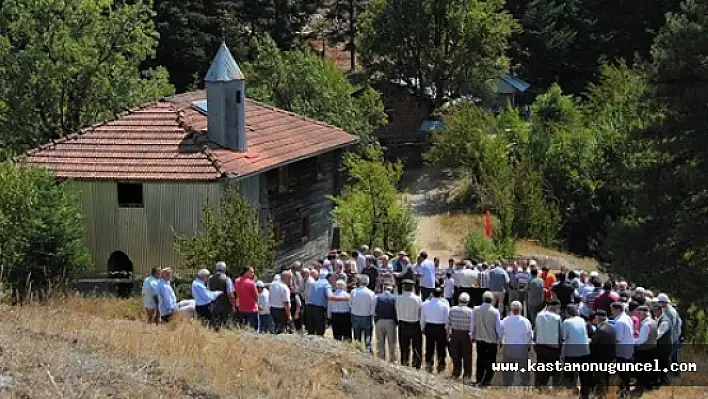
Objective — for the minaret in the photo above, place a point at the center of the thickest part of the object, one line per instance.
(226, 102)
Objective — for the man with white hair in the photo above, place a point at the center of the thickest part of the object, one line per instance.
(203, 297)
(223, 307)
(434, 316)
(316, 305)
(340, 313)
(409, 334)
(486, 331)
(460, 345)
(517, 338)
(167, 298)
(280, 304)
(676, 327)
(363, 303)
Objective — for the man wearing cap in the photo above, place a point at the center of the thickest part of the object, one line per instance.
(265, 321)
(676, 326)
(223, 307)
(203, 297)
(486, 331)
(460, 346)
(602, 350)
(645, 346)
(316, 305)
(433, 322)
(427, 276)
(409, 334)
(385, 320)
(547, 335)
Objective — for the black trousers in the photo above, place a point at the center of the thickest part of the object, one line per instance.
(586, 377)
(476, 296)
(461, 353)
(204, 314)
(410, 337)
(546, 354)
(315, 319)
(645, 379)
(486, 356)
(624, 376)
(222, 317)
(342, 326)
(280, 319)
(166, 318)
(425, 293)
(435, 342)
(663, 353)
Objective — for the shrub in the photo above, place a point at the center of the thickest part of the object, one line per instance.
(478, 246)
(236, 236)
(42, 233)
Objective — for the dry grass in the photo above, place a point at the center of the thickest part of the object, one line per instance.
(93, 348)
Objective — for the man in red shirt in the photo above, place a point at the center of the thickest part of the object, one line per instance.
(605, 300)
(247, 298)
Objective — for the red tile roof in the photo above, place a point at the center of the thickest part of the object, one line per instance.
(166, 140)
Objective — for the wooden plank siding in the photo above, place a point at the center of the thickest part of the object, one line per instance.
(303, 195)
(144, 234)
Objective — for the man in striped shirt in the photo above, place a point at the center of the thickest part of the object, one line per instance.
(459, 336)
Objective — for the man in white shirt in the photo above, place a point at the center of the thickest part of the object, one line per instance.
(150, 297)
(265, 321)
(433, 322)
(360, 259)
(409, 333)
(547, 333)
(363, 306)
(427, 276)
(516, 336)
(467, 279)
(280, 304)
(624, 329)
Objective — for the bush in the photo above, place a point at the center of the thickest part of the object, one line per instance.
(478, 246)
(42, 233)
(236, 236)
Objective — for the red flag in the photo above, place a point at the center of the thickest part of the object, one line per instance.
(488, 225)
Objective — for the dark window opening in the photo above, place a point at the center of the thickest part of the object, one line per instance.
(305, 226)
(130, 195)
(238, 97)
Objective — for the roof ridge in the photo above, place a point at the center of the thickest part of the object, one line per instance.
(303, 117)
(201, 141)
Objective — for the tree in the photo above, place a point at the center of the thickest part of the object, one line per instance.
(664, 235)
(370, 210)
(456, 47)
(301, 82)
(191, 31)
(342, 16)
(67, 64)
(42, 233)
(235, 235)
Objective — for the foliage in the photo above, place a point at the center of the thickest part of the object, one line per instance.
(41, 229)
(502, 175)
(191, 31)
(669, 209)
(479, 247)
(564, 41)
(342, 16)
(301, 82)
(235, 234)
(456, 47)
(370, 210)
(65, 64)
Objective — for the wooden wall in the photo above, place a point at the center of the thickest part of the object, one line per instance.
(406, 112)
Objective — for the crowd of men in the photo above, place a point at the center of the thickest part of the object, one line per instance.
(570, 316)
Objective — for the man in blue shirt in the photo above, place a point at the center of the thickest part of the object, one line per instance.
(167, 299)
(203, 297)
(316, 305)
(150, 295)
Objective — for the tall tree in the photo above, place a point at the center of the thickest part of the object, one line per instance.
(342, 16)
(455, 47)
(301, 82)
(666, 235)
(65, 64)
(191, 31)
